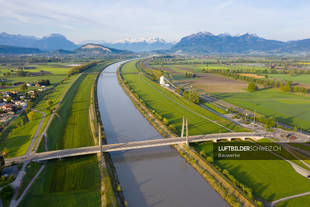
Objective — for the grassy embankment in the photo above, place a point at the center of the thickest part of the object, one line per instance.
(163, 103)
(75, 181)
(244, 171)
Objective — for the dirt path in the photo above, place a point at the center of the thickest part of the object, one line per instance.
(273, 203)
(36, 133)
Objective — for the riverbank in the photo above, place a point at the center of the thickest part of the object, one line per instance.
(232, 195)
(111, 192)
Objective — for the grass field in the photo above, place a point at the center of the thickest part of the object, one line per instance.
(156, 97)
(286, 107)
(74, 181)
(70, 182)
(269, 179)
(62, 123)
(298, 78)
(294, 202)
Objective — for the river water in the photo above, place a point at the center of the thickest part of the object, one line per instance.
(148, 177)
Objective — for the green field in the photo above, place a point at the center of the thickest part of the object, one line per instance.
(69, 182)
(71, 128)
(171, 106)
(74, 181)
(285, 107)
(298, 78)
(269, 179)
(301, 201)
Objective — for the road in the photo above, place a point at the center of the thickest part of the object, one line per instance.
(49, 155)
(33, 141)
(289, 197)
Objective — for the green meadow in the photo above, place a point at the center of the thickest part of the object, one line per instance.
(69, 182)
(289, 108)
(269, 179)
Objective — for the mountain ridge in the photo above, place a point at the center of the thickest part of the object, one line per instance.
(208, 43)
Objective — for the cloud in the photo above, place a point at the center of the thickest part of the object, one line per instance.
(114, 20)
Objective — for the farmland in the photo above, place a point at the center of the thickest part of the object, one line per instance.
(286, 107)
(269, 179)
(173, 107)
(70, 182)
(74, 181)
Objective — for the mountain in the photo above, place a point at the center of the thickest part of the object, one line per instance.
(97, 49)
(49, 43)
(141, 45)
(206, 43)
(7, 50)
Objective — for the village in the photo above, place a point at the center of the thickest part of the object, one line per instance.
(13, 102)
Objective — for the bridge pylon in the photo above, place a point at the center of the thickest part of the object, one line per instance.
(182, 132)
(185, 127)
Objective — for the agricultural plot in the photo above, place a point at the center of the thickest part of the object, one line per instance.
(269, 179)
(286, 107)
(213, 83)
(70, 109)
(298, 78)
(173, 107)
(74, 181)
(69, 182)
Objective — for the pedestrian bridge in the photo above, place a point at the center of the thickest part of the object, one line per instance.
(58, 154)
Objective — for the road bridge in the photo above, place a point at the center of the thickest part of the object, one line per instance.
(59, 154)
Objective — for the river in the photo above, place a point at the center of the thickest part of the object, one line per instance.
(148, 177)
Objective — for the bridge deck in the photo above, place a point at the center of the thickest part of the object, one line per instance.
(57, 154)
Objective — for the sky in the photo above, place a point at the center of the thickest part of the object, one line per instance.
(113, 20)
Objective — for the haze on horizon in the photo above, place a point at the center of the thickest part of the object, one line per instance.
(116, 20)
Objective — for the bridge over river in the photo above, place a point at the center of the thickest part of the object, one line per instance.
(59, 154)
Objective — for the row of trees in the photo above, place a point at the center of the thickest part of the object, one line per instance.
(81, 68)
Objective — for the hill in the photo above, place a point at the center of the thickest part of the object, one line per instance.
(7, 50)
(91, 49)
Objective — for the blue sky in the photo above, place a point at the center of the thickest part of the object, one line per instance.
(115, 20)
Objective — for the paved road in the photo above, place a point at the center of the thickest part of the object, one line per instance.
(131, 145)
(33, 141)
(15, 202)
(289, 197)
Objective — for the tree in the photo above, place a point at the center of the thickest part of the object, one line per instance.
(49, 103)
(252, 87)
(7, 192)
(286, 87)
(31, 115)
(9, 99)
(29, 107)
(23, 87)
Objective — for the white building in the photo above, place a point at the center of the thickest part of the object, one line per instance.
(162, 81)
